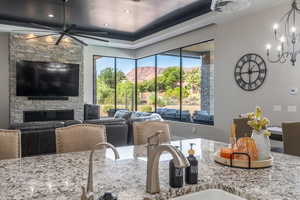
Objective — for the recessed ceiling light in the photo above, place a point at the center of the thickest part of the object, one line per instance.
(127, 11)
(50, 15)
(105, 24)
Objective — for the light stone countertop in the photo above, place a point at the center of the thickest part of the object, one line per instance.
(59, 177)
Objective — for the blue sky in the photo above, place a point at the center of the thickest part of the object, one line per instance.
(127, 65)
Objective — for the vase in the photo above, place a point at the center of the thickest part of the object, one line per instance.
(263, 144)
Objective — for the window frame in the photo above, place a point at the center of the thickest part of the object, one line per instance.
(136, 78)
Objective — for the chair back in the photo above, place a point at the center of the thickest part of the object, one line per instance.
(80, 137)
(143, 130)
(291, 138)
(10, 144)
(242, 127)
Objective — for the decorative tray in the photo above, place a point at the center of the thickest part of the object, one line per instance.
(247, 164)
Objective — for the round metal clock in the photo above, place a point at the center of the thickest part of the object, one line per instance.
(250, 72)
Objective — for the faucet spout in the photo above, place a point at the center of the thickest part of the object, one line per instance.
(154, 153)
(88, 194)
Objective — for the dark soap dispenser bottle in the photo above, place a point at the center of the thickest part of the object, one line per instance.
(175, 175)
(108, 196)
(191, 172)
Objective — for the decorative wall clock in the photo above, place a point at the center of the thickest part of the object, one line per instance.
(250, 72)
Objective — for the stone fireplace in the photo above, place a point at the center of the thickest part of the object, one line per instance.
(45, 51)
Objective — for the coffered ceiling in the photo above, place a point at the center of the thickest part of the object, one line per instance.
(122, 19)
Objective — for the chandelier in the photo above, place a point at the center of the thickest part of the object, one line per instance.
(287, 37)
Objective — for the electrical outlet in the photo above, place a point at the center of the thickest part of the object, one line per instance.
(277, 108)
(292, 108)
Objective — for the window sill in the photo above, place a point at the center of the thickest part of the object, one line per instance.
(187, 122)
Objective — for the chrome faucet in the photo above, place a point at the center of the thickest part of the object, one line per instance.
(88, 193)
(154, 150)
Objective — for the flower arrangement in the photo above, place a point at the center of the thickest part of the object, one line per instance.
(258, 122)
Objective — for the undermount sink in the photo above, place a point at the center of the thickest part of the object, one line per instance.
(210, 194)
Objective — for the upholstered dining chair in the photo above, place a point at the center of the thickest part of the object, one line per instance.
(242, 127)
(80, 137)
(10, 144)
(143, 130)
(291, 138)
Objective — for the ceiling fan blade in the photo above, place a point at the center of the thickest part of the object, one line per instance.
(59, 39)
(32, 31)
(76, 39)
(43, 26)
(90, 32)
(41, 36)
(90, 37)
(224, 3)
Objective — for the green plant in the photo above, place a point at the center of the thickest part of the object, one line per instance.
(106, 108)
(146, 108)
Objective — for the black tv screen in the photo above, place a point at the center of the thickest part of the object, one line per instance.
(37, 79)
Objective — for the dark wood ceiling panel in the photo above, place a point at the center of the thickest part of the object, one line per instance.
(123, 19)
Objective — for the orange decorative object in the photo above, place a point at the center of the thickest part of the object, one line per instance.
(246, 145)
(226, 152)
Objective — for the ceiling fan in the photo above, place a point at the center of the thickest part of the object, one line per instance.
(228, 6)
(67, 30)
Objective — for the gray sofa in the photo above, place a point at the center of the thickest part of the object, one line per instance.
(116, 130)
(132, 117)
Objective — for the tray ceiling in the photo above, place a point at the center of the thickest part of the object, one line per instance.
(122, 19)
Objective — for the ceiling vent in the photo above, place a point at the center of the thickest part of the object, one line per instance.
(228, 6)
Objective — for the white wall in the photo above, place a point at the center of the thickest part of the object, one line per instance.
(244, 35)
(186, 39)
(4, 84)
(89, 52)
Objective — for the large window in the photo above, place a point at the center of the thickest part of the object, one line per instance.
(168, 84)
(105, 83)
(177, 84)
(191, 82)
(125, 83)
(146, 84)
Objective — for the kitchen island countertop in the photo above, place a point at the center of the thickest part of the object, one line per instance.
(59, 176)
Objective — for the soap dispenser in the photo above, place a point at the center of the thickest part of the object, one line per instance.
(175, 175)
(108, 196)
(191, 172)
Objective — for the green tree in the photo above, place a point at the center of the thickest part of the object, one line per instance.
(193, 79)
(107, 76)
(169, 79)
(161, 101)
(175, 93)
(105, 94)
(125, 93)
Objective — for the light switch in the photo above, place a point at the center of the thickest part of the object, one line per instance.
(277, 108)
(292, 108)
(194, 130)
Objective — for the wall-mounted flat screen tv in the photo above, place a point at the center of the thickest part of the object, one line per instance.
(46, 79)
